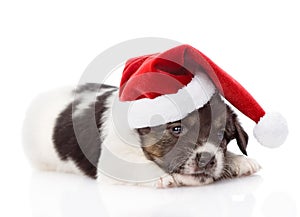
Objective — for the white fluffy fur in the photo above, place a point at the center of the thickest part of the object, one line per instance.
(122, 159)
(38, 130)
(271, 131)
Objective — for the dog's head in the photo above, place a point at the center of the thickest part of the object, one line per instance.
(196, 145)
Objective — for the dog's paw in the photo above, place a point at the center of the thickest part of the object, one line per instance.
(178, 180)
(243, 166)
(167, 181)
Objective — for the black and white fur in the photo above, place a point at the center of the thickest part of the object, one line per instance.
(51, 144)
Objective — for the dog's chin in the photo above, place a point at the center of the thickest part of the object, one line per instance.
(193, 179)
(199, 176)
(203, 177)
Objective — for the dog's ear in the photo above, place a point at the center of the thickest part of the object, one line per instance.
(241, 136)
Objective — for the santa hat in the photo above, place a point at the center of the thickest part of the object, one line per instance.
(166, 87)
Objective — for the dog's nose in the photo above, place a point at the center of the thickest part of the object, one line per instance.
(205, 160)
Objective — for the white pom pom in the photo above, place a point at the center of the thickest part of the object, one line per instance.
(271, 130)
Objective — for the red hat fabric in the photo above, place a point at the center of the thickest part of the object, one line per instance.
(151, 80)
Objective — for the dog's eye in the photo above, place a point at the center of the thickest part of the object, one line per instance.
(220, 134)
(177, 130)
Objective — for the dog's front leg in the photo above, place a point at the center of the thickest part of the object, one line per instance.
(177, 180)
(239, 165)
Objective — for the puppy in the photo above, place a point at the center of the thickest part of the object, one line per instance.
(77, 135)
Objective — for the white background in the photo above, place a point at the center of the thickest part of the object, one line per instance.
(47, 44)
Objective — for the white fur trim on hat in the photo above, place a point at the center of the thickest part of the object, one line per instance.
(271, 131)
(171, 107)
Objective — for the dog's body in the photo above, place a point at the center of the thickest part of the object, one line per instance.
(79, 137)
